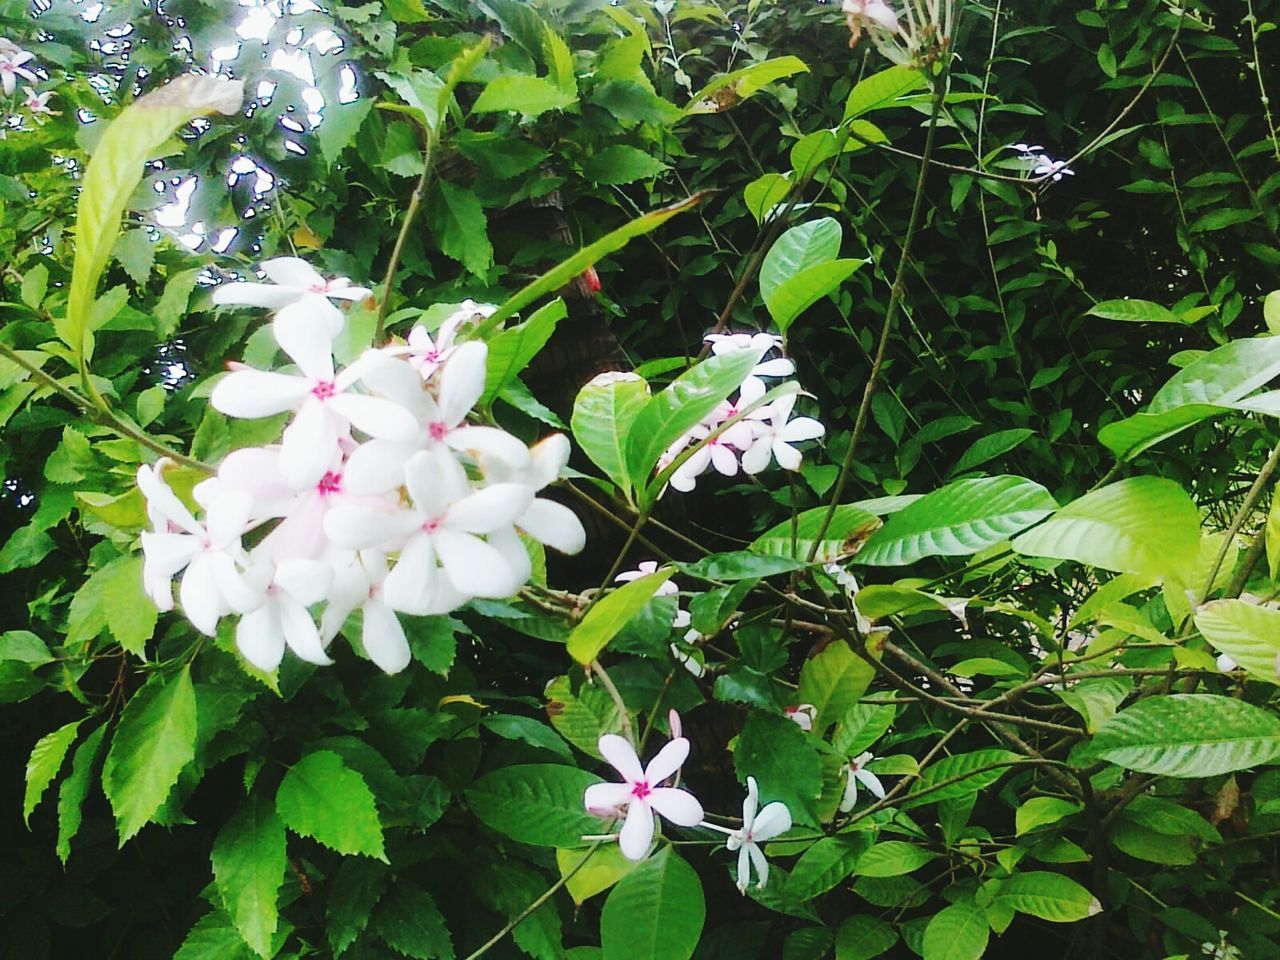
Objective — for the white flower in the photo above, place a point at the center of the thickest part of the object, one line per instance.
(427, 354)
(856, 775)
(873, 14)
(641, 793)
(644, 569)
(803, 714)
(208, 552)
(440, 535)
(280, 619)
(1226, 664)
(12, 59)
(37, 103)
(323, 402)
(757, 828)
(722, 343)
(774, 439)
(292, 280)
(358, 585)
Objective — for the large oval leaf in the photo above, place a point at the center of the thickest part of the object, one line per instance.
(536, 803)
(1049, 896)
(655, 912)
(602, 414)
(1247, 633)
(957, 932)
(1143, 525)
(1189, 735)
(611, 614)
(957, 520)
(798, 293)
(849, 528)
(807, 245)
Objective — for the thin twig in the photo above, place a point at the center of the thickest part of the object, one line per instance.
(415, 201)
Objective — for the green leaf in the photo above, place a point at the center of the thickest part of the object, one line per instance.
(610, 614)
(35, 284)
(1049, 896)
(523, 94)
(1189, 735)
(114, 171)
(1107, 60)
(1271, 537)
(825, 864)
(583, 718)
(1270, 306)
(566, 270)
(112, 597)
(833, 680)
(744, 82)
(778, 754)
(1170, 817)
(536, 803)
(511, 350)
(461, 228)
(1143, 844)
(957, 932)
(797, 294)
(739, 565)
(136, 253)
(213, 937)
(322, 798)
(960, 775)
(602, 414)
(1143, 525)
(681, 406)
(527, 730)
(656, 912)
(605, 866)
(1042, 811)
(423, 91)
(882, 89)
(433, 642)
(1133, 311)
(764, 193)
(342, 121)
(863, 937)
(989, 447)
(893, 858)
(154, 741)
(797, 249)
(410, 923)
(357, 887)
(73, 790)
(850, 527)
(45, 762)
(621, 164)
(1247, 633)
(1221, 219)
(248, 867)
(962, 518)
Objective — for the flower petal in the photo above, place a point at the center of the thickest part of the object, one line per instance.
(850, 797)
(303, 333)
(361, 526)
(376, 466)
(549, 456)
(750, 804)
(306, 581)
(760, 863)
(636, 835)
(620, 755)
(462, 381)
(201, 599)
(300, 632)
(291, 272)
(435, 479)
(377, 417)
(604, 798)
(490, 442)
(679, 806)
(755, 459)
(309, 445)
(508, 543)
(490, 508)
(411, 585)
(474, 567)
(788, 457)
(260, 639)
(802, 428)
(667, 761)
(553, 524)
(744, 867)
(265, 295)
(383, 637)
(871, 782)
(250, 394)
(773, 820)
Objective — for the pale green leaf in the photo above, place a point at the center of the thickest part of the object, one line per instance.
(342, 122)
(1247, 633)
(850, 526)
(604, 867)
(882, 89)
(523, 94)
(44, 763)
(656, 912)
(1133, 311)
(797, 249)
(798, 293)
(957, 932)
(1049, 896)
(512, 350)
(154, 741)
(322, 798)
(610, 614)
(248, 867)
(602, 415)
(960, 775)
(743, 83)
(1042, 811)
(764, 193)
(833, 680)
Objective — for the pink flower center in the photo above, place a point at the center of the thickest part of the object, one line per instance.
(641, 789)
(321, 288)
(323, 390)
(330, 483)
(431, 526)
(438, 430)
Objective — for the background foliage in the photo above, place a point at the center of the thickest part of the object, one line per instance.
(178, 806)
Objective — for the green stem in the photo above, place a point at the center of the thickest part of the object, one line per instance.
(415, 202)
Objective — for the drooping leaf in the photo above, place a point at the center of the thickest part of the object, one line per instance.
(602, 415)
(833, 680)
(960, 775)
(74, 789)
(1042, 811)
(1189, 735)
(461, 228)
(511, 350)
(537, 803)
(864, 937)
(957, 520)
(1143, 525)
(322, 798)
(742, 83)
(621, 164)
(764, 193)
(656, 912)
(739, 565)
(356, 888)
(44, 763)
(248, 867)
(409, 922)
(989, 447)
(155, 739)
(610, 614)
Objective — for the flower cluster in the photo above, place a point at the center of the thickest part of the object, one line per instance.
(17, 64)
(918, 37)
(381, 496)
(650, 791)
(763, 434)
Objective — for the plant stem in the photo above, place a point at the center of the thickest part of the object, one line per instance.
(607, 682)
(415, 201)
(891, 311)
(533, 907)
(1246, 508)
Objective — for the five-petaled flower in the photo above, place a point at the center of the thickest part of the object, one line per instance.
(757, 827)
(856, 773)
(12, 59)
(641, 793)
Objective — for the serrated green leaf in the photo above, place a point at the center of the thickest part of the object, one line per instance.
(44, 763)
(523, 94)
(409, 922)
(248, 867)
(536, 803)
(621, 164)
(322, 798)
(583, 718)
(461, 228)
(959, 519)
(73, 790)
(1189, 735)
(154, 741)
(656, 912)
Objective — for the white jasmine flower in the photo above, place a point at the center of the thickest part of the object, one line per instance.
(855, 775)
(646, 567)
(641, 793)
(286, 590)
(12, 59)
(757, 828)
(358, 586)
(37, 103)
(804, 714)
(774, 439)
(292, 280)
(722, 343)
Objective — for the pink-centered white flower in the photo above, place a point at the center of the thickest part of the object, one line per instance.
(12, 59)
(803, 714)
(856, 773)
(208, 552)
(291, 280)
(442, 555)
(281, 618)
(758, 826)
(37, 103)
(775, 437)
(426, 353)
(324, 404)
(641, 793)
(724, 343)
(644, 569)
(871, 14)
(358, 586)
